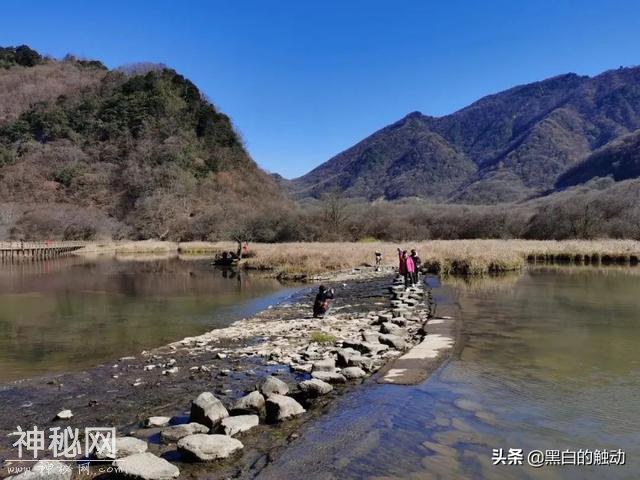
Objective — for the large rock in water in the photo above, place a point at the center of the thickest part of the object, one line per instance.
(125, 446)
(280, 408)
(46, 470)
(252, 403)
(315, 388)
(207, 410)
(273, 386)
(146, 466)
(233, 425)
(175, 433)
(202, 447)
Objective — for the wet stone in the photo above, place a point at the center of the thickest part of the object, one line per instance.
(207, 410)
(253, 403)
(315, 388)
(273, 386)
(280, 408)
(175, 433)
(233, 425)
(202, 447)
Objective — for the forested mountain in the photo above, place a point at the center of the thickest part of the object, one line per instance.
(503, 148)
(86, 151)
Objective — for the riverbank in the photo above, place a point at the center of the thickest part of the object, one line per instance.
(467, 257)
(282, 341)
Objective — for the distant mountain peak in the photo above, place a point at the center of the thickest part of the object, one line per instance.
(503, 147)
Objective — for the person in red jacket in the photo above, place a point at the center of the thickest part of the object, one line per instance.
(406, 268)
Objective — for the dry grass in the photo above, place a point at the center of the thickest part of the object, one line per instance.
(468, 257)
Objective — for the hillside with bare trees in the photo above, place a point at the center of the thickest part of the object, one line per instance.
(87, 152)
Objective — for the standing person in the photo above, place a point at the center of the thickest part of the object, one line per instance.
(417, 263)
(378, 261)
(406, 267)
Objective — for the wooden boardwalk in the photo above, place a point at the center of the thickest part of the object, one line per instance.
(37, 250)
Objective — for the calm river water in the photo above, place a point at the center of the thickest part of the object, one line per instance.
(71, 313)
(551, 361)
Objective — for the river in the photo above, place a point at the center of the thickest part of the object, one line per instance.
(549, 362)
(70, 313)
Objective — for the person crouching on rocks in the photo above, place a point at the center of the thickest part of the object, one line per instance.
(406, 268)
(321, 304)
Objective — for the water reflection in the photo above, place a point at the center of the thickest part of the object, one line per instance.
(549, 363)
(69, 313)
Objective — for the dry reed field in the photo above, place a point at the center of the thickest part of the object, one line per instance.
(467, 257)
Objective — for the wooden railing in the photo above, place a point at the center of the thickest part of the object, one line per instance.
(46, 249)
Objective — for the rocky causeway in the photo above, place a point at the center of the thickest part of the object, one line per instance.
(224, 403)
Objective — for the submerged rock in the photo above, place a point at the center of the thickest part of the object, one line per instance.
(280, 408)
(203, 447)
(207, 410)
(252, 403)
(175, 433)
(233, 425)
(273, 386)
(146, 466)
(315, 388)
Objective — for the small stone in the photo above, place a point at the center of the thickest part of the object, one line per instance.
(175, 433)
(392, 329)
(157, 422)
(330, 377)
(149, 367)
(370, 337)
(393, 341)
(170, 371)
(207, 410)
(241, 423)
(344, 354)
(273, 386)
(252, 403)
(365, 363)
(315, 388)
(221, 356)
(353, 373)
(146, 466)
(280, 408)
(125, 446)
(64, 415)
(326, 365)
(203, 447)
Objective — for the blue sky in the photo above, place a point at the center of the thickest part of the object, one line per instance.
(303, 80)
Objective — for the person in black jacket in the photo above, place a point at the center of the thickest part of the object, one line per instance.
(321, 304)
(417, 263)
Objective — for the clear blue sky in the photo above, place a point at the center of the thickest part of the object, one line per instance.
(303, 80)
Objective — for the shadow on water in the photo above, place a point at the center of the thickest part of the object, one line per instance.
(549, 362)
(70, 313)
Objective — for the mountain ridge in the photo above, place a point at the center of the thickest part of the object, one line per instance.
(520, 141)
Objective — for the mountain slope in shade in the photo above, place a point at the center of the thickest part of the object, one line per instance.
(619, 160)
(504, 147)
